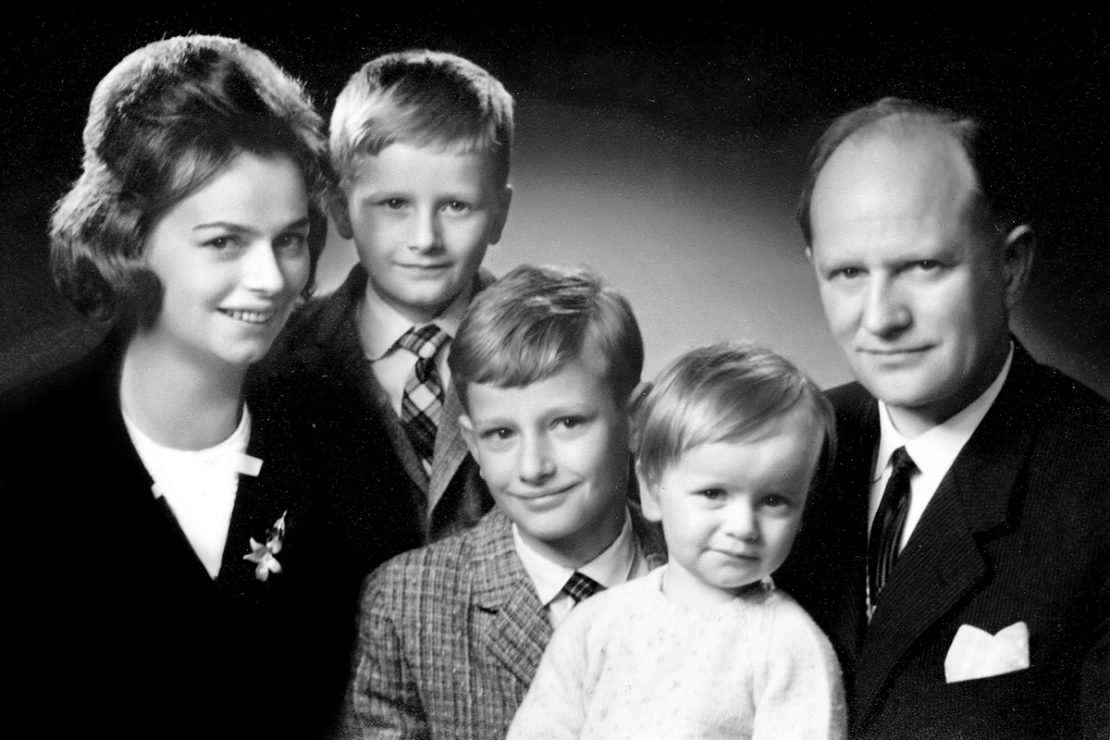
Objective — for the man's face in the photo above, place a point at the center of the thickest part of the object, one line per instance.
(913, 293)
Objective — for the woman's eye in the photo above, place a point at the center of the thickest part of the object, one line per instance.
(291, 242)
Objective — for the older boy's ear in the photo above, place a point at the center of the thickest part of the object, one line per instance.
(649, 498)
(340, 216)
(504, 200)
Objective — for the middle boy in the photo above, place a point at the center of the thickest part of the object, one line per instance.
(547, 363)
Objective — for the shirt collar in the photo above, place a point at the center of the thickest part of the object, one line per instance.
(934, 450)
(384, 325)
(610, 568)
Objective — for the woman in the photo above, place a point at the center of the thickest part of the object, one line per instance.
(173, 567)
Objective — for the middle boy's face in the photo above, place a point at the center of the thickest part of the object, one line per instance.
(421, 218)
(555, 457)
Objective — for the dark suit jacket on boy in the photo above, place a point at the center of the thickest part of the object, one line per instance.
(321, 368)
(1018, 530)
(451, 635)
(113, 626)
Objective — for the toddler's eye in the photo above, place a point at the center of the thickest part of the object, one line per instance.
(777, 501)
(712, 494)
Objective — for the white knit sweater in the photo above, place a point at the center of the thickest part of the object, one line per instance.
(629, 663)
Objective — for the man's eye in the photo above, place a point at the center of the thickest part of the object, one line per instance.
(845, 273)
(458, 206)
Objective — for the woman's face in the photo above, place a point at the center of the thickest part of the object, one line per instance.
(232, 259)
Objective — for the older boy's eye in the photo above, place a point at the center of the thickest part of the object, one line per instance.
(457, 206)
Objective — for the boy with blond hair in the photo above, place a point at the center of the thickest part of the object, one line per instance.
(547, 363)
(420, 144)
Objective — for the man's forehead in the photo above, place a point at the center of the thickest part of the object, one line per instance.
(891, 172)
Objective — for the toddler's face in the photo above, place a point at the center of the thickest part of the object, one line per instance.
(555, 456)
(421, 219)
(730, 510)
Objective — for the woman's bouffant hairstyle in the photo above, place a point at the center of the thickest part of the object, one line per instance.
(162, 123)
(726, 392)
(536, 320)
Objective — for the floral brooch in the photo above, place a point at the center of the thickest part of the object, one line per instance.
(265, 555)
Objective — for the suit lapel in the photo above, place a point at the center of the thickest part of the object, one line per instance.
(518, 626)
(942, 563)
(450, 447)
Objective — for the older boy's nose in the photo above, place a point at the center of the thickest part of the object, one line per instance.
(426, 233)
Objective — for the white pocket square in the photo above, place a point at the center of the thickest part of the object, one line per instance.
(976, 653)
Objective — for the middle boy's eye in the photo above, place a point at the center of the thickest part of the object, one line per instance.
(711, 494)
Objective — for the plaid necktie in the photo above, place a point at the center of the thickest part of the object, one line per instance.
(580, 587)
(423, 396)
(890, 519)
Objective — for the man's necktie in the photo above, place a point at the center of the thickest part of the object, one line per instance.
(580, 587)
(890, 519)
(423, 397)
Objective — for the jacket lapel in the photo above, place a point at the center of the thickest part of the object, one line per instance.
(450, 447)
(518, 628)
(942, 562)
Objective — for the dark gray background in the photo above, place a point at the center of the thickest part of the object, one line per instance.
(663, 147)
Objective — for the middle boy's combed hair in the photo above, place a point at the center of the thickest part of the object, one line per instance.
(534, 321)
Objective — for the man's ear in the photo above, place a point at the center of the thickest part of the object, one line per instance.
(340, 216)
(633, 406)
(1017, 261)
(649, 497)
(504, 200)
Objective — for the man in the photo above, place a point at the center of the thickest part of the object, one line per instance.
(969, 597)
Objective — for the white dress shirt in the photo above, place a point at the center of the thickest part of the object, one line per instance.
(933, 451)
(619, 562)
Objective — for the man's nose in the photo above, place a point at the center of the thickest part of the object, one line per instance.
(885, 311)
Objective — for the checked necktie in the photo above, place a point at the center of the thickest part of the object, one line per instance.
(890, 519)
(580, 586)
(423, 397)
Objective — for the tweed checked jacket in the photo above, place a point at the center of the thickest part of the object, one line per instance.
(450, 636)
(330, 385)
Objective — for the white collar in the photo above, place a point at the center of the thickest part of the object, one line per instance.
(385, 324)
(934, 450)
(610, 568)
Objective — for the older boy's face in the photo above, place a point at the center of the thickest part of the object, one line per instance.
(730, 510)
(555, 456)
(421, 219)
